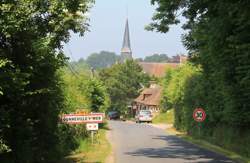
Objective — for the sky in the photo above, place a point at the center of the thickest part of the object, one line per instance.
(107, 25)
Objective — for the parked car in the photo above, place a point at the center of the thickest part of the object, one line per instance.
(144, 116)
(113, 115)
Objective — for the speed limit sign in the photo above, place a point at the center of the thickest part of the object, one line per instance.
(199, 115)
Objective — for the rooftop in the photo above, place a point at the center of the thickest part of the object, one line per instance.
(150, 96)
(157, 69)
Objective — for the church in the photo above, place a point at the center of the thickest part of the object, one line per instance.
(153, 69)
(149, 98)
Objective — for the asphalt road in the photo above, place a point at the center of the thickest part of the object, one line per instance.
(142, 143)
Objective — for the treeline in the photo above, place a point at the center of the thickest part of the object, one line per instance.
(34, 88)
(218, 79)
(161, 58)
(105, 59)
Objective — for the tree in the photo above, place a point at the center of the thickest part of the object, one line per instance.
(102, 59)
(96, 94)
(218, 41)
(157, 58)
(31, 36)
(123, 82)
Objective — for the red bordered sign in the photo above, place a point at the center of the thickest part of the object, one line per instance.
(83, 118)
(199, 115)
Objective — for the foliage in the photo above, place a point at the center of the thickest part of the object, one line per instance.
(218, 41)
(31, 36)
(81, 95)
(97, 95)
(165, 117)
(186, 89)
(80, 65)
(86, 152)
(102, 59)
(173, 93)
(123, 82)
(157, 58)
(74, 97)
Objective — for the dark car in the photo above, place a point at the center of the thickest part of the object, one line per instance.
(113, 115)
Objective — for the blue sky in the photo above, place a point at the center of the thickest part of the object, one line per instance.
(107, 23)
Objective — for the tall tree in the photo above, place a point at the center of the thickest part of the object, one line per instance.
(218, 40)
(102, 59)
(123, 82)
(31, 36)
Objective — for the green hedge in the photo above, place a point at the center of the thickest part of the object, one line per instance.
(186, 89)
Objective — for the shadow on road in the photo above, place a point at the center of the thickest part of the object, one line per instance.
(179, 149)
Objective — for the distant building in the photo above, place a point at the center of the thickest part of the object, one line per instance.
(126, 52)
(149, 99)
(157, 69)
(178, 59)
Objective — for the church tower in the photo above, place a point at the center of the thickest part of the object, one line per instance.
(126, 52)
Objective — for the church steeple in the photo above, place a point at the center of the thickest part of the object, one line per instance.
(126, 52)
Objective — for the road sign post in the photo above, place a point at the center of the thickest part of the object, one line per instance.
(92, 137)
(92, 127)
(199, 116)
(91, 121)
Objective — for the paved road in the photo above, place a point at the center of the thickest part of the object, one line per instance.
(142, 143)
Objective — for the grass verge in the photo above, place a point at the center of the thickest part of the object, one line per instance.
(204, 144)
(166, 117)
(86, 152)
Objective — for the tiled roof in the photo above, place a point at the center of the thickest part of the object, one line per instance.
(157, 69)
(152, 96)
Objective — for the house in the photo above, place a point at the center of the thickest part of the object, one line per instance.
(157, 69)
(149, 99)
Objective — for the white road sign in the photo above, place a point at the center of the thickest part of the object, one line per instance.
(83, 118)
(92, 126)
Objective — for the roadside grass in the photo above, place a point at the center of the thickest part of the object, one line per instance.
(165, 117)
(168, 118)
(204, 144)
(86, 152)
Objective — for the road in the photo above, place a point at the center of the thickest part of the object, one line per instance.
(142, 143)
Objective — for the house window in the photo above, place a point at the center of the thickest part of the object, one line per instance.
(145, 96)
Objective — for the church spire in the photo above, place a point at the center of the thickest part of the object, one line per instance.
(126, 52)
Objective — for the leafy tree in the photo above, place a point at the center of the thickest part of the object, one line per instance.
(74, 97)
(123, 82)
(157, 58)
(96, 94)
(31, 36)
(81, 94)
(80, 66)
(102, 59)
(218, 41)
(175, 83)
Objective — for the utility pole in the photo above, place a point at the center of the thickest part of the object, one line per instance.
(93, 72)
